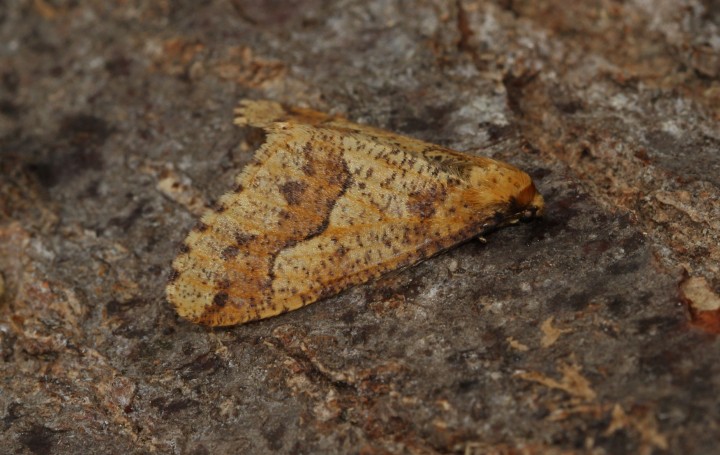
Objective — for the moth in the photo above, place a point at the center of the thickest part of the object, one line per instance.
(327, 204)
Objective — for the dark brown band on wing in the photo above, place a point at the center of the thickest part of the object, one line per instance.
(306, 215)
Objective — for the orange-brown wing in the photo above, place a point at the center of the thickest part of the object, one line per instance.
(326, 204)
(264, 113)
(395, 211)
(223, 275)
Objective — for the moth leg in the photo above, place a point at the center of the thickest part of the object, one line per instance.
(260, 114)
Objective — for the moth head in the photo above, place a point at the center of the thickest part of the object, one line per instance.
(503, 192)
(529, 203)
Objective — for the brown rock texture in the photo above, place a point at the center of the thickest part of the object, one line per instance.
(591, 331)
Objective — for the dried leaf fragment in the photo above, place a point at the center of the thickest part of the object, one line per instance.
(327, 204)
(703, 303)
(550, 333)
(572, 382)
(643, 422)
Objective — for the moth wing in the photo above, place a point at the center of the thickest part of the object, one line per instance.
(396, 210)
(223, 274)
(406, 200)
(263, 114)
(325, 204)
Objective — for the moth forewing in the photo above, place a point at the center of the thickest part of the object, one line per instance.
(328, 204)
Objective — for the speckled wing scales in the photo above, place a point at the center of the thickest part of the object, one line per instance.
(395, 211)
(327, 204)
(223, 275)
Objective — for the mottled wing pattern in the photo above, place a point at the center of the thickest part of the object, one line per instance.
(325, 204)
(396, 210)
(224, 273)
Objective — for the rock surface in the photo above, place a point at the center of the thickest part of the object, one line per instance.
(592, 331)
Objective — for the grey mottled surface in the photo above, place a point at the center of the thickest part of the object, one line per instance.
(576, 334)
